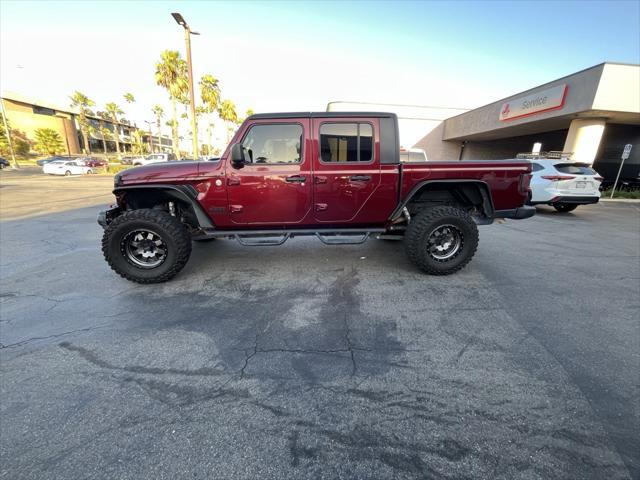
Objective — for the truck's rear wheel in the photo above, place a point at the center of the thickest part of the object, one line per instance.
(146, 246)
(441, 240)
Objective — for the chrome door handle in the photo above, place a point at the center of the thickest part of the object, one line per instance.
(360, 178)
(296, 179)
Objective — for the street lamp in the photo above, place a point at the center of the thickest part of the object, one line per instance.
(187, 36)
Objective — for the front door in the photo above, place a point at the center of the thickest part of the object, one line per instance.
(346, 170)
(274, 186)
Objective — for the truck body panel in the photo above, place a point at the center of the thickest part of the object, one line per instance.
(313, 192)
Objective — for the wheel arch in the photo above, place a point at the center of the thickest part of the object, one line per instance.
(147, 196)
(470, 193)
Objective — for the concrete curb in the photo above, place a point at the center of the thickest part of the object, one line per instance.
(621, 200)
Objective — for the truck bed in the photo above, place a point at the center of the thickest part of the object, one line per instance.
(502, 177)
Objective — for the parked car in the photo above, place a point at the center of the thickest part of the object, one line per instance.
(44, 161)
(64, 167)
(93, 162)
(413, 155)
(267, 184)
(153, 158)
(4, 163)
(563, 184)
(127, 160)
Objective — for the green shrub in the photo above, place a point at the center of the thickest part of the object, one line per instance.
(634, 194)
(117, 168)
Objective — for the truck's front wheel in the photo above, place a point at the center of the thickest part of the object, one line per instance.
(146, 246)
(441, 240)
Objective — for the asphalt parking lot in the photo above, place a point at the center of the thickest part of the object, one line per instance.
(309, 361)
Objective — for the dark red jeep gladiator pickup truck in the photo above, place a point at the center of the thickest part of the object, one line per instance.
(334, 175)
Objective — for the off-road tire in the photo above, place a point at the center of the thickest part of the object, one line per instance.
(172, 232)
(564, 207)
(428, 221)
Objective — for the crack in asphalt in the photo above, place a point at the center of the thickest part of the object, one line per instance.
(57, 335)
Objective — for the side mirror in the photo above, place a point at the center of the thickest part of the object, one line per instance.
(237, 155)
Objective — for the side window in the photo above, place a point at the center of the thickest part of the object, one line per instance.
(273, 144)
(346, 142)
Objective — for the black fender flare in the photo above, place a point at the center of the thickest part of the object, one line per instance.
(184, 193)
(485, 191)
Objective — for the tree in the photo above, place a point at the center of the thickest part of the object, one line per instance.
(159, 113)
(19, 140)
(80, 101)
(210, 96)
(48, 141)
(113, 110)
(138, 146)
(129, 98)
(227, 112)
(105, 133)
(171, 74)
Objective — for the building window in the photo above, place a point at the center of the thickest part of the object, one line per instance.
(346, 142)
(43, 110)
(273, 144)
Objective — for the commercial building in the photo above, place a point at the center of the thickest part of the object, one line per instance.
(591, 114)
(26, 115)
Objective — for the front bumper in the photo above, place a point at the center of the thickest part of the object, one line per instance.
(105, 217)
(520, 213)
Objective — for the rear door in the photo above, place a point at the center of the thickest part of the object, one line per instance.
(346, 167)
(274, 185)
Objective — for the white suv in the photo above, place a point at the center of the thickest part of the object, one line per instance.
(153, 158)
(563, 184)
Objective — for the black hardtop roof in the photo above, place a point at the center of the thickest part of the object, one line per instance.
(258, 116)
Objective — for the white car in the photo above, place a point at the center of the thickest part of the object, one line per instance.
(153, 158)
(64, 167)
(413, 155)
(563, 184)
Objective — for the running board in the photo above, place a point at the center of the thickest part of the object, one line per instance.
(261, 242)
(342, 241)
(258, 238)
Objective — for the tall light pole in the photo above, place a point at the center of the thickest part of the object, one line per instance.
(14, 163)
(187, 36)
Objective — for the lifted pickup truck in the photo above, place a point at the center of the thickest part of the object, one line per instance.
(334, 175)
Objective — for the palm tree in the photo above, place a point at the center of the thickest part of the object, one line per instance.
(227, 112)
(171, 74)
(159, 113)
(210, 95)
(105, 133)
(80, 101)
(48, 141)
(129, 98)
(114, 110)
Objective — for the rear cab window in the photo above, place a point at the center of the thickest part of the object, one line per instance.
(346, 142)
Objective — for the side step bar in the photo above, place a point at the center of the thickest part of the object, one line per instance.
(254, 238)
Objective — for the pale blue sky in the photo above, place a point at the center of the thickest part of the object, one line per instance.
(300, 55)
